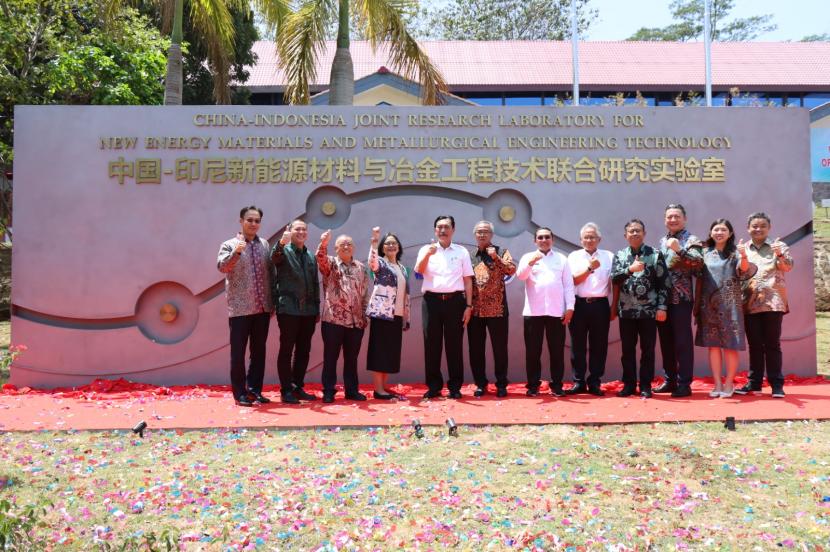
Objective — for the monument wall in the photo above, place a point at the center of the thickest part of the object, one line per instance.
(119, 211)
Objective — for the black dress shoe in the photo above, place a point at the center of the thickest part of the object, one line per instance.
(626, 391)
(682, 391)
(244, 401)
(646, 393)
(289, 398)
(356, 396)
(576, 389)
(384, 396)
(480, 392)
(501, 392)
(557, 391)
(328, 397)
(300, 393)
(455, 394)
(532, 391)
(432, 394)
(259, 397)
(667, 386)
(595, 390)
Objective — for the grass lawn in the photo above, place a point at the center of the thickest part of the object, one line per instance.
(821, 223)
(637, 487)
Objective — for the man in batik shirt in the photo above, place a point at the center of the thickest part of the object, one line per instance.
(765, 304)
(641, 288)
(345, 298)
(490, 268)
(683, 253)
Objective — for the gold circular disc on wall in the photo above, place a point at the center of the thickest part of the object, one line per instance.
(168, 312)
(507, 213)
(329, 208)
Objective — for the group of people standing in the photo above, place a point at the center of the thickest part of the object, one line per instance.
(735, 292)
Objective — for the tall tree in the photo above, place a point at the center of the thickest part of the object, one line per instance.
(505, 20)
(213, 20)
(302, 33)
(689, 23)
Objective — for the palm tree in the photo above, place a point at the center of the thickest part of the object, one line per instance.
(211, 18)
(301, 36)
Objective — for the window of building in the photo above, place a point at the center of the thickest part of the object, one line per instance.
(485, 99)
(815, 99)
(511, 99)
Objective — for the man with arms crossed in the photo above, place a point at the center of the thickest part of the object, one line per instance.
(446, 307)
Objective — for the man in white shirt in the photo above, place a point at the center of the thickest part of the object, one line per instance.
(549, 304)
(591, 270)
(446, 308)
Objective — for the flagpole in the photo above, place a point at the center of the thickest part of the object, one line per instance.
(707, 48)
(575, 52)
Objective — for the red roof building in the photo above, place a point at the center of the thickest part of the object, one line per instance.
(539, 72)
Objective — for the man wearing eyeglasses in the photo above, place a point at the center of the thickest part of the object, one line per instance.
(345, 298)
(245, 262)
(490, 267)
(549, 306)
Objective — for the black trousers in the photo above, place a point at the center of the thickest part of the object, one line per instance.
(676, 344)
(295, 340)
(589, 339)
(763, 334)
(443, 326)
(536, 329)
(253, 327)
(477, 336)
(335, 338)
(630, 330)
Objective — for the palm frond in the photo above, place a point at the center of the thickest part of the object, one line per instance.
(383, 22)
(273, 12)
(299, 44)
(213, 19)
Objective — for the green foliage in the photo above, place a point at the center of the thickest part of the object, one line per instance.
(56, 52)
(105, 69)
(18, 527)
(816, 38)
(198, 76)
(689, 24)
(504, 20)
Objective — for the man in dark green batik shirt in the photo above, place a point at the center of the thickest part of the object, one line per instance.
(641, 287)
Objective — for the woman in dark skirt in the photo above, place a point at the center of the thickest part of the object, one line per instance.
(388, 311)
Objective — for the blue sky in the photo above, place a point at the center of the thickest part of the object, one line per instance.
(619, 19)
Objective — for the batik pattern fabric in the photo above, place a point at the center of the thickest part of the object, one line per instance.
(384, 292)
(682, 265)
(642, 293)
(489, 296)
(345, 291)
(767, 291)
(720, 315)
(248, 277)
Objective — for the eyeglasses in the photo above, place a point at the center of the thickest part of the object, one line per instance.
(390, 244)
(253, 221)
